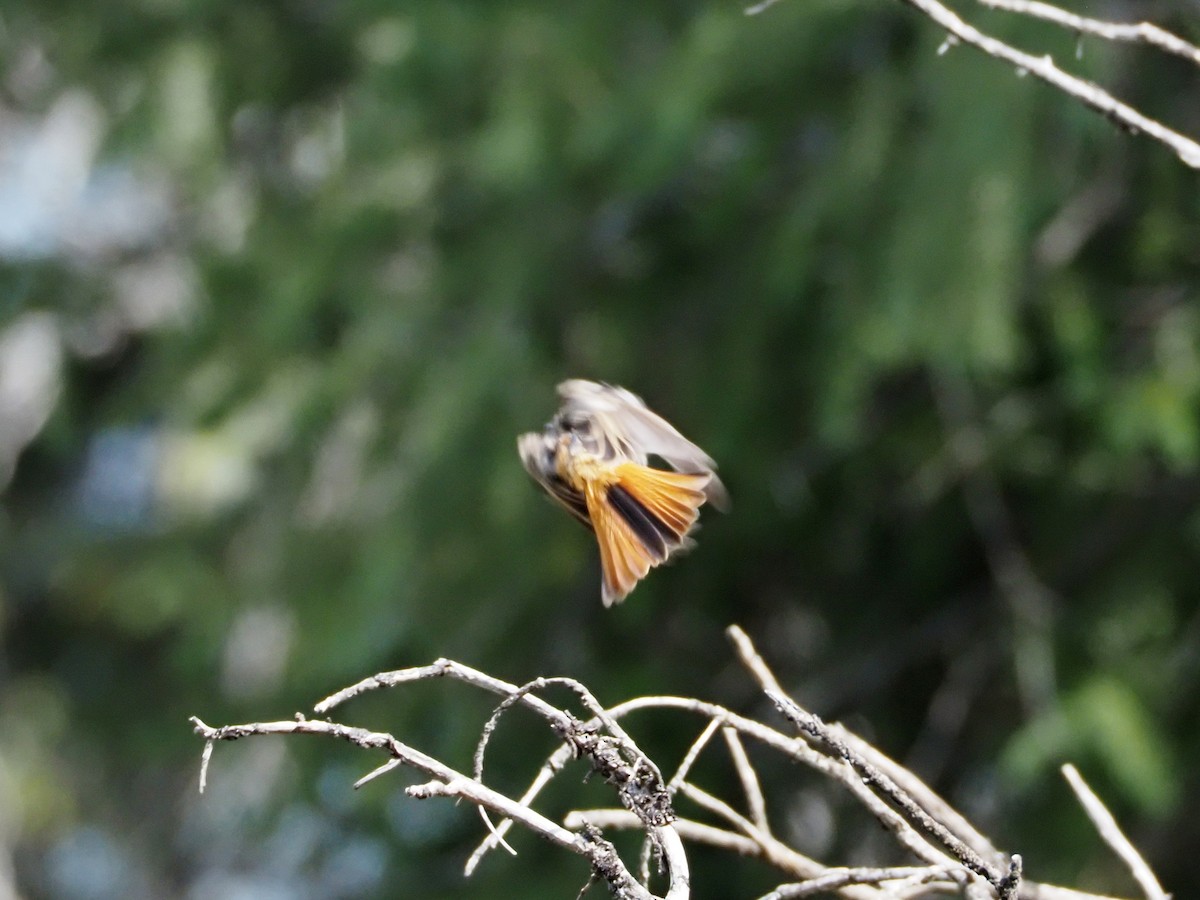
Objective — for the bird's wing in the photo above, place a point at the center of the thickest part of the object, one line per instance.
(537, 454)
(639, 432)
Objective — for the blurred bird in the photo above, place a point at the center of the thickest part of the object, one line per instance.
(593, 458)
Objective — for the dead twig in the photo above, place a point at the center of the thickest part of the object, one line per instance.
(1111, 832)
(1005, 883)
(1044, 68)
(957, 858)
(604, 859)
(1136, 32)
(639, 785)
(832, 879)
(749, 779)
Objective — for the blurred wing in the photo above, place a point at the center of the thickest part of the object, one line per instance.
(537, 455)
(639, 432)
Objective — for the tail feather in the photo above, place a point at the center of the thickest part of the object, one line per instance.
(674, 498)
(624, 558)
(640, 519)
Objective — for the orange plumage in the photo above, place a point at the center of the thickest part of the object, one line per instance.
(593, 458)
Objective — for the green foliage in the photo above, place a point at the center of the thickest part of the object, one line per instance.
(281, 456)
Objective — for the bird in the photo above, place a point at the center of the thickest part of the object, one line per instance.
(593, 458)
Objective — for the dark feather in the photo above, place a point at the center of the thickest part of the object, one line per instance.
(650, 530)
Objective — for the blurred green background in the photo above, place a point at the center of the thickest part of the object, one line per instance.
(280, 282)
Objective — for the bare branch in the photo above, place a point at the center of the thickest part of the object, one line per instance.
(641, 789)
(904, 832)
(617, 758)
(675, 858)
(795, 748)
(689, 758)
(1135, 33)
(872, 777)
(448, 782)
(750, 658)
(551, 768)
(914, 814)
(748, 777)
(832, 879)
(442, 668)
(715, 805)
(205, 759)
(372, 775)
(1108, 828)
(370, 740)
(1044, 68)
(756, 845)
(928, 799)
(689, 830)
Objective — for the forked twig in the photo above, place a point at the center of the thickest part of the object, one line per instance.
(956, 857)
(636, 785)
(749, 779)
(1135, 33)
(1046, 70)
(1005, 883)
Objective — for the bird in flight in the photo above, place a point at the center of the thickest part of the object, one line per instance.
(593, 457)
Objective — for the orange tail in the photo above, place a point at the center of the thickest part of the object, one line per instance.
(641, 518)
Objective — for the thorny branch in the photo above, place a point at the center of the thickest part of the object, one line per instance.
(1044, 68)
(952, 856)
